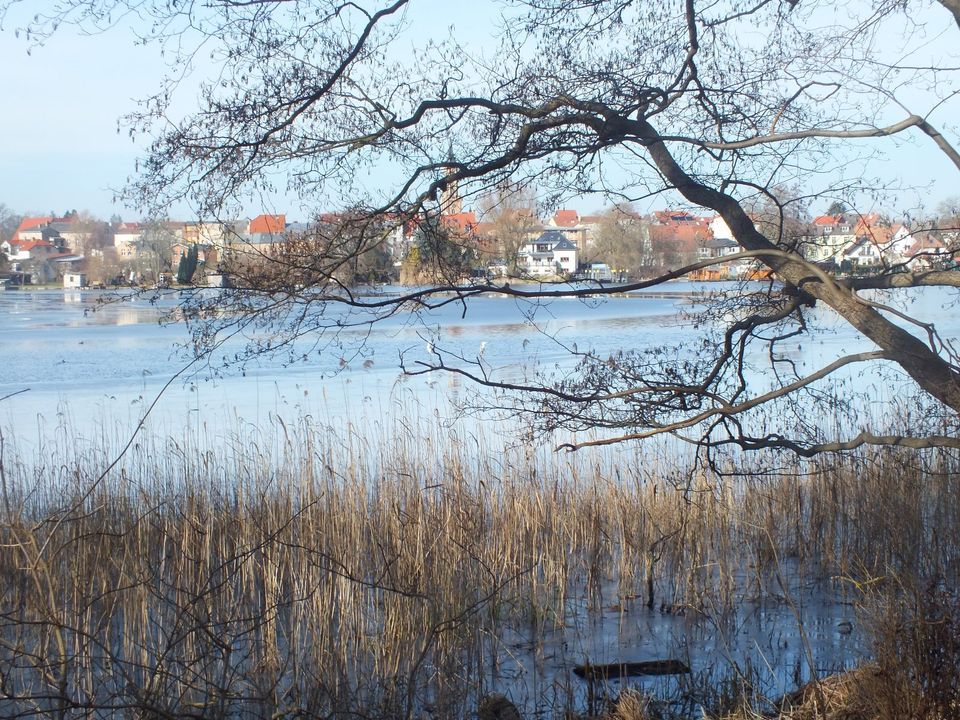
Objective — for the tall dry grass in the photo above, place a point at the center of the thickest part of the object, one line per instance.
(308, 571)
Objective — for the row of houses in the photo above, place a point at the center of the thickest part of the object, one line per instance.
(846, 242)
(48, 248)
(45, 248)
(867, 241)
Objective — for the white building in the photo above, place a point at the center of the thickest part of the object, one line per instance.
(717, 248)
(552, 254)
(832, 234)
(74, 280)
(127, 240)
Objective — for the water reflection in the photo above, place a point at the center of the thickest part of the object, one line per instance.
(70, 345)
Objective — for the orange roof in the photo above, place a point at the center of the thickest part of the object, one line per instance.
(879, 234)
(268, 224)
(464, 222)
(566, 218)
(29, 223)
(31, 244)
(828, 220)
(927, 244)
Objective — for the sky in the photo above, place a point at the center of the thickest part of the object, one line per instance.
(60, 148)
(59, 145)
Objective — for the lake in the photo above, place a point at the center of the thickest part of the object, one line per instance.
(103, 364)
(91, 370)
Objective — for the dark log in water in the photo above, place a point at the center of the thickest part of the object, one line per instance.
(606, 671)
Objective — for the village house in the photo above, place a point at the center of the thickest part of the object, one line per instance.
(868, 242)
(28, 250)
(830, 236)
(39, 251)
(928, 251)
(715, 248)
(75, 235)
(263, 234)
(33, 233)
(552, 254)
(127, 240)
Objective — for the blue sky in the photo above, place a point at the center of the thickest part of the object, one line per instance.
(60, 149)
(59, 146)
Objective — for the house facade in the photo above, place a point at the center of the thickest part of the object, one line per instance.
(551, 254)
(127, 240)
(717, 248)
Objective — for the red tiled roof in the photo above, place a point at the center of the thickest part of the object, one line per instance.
(828, 220)
(928, 244)
(677, 216)
(879, 234)
(268, 224)
(566, 218)
(31, 244)
(464, 222)
(29, 223)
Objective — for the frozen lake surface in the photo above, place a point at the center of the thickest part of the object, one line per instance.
(103, 364)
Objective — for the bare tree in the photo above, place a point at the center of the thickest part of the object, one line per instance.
(154, 246)
(623, 242)
(9, 220)
(630, 99)
(511, 213)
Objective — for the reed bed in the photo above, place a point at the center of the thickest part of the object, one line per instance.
(311, 571)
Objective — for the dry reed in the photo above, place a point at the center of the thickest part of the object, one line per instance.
(313, 572)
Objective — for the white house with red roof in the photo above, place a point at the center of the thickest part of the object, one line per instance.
(27, 224)
(928, 251)
(26, 250)
(831, 235)
(863, 252)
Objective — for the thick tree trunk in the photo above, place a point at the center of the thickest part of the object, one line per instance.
(931, 372)
(954, 7)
